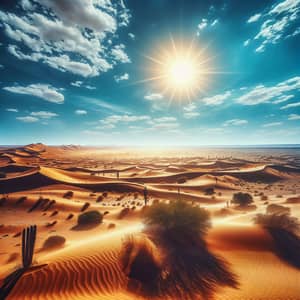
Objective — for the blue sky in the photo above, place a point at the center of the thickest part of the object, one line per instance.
(72, 72)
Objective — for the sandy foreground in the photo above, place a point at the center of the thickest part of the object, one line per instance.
(110, 180)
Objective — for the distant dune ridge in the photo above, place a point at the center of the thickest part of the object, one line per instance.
(111, 182)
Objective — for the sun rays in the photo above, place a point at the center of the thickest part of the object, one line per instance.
(180, 70)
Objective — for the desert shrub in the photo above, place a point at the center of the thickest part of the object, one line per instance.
(21, 200)
(124, 212)
(50, 224)
(263, 197)
(105, 194)
(178, 218)
(284, 230)
(106, 213)
(54, 241)
(100, 198)
(85, 206)
(70, 216)
(111, 225)
(2, 201)
(181, 180)
(278, 221)
(177, 230)
(293, 200)
(54, 213)
(242, 199)
(68, 195)
(277, 209)
(90, 218)
(209, 191)
(49, 205)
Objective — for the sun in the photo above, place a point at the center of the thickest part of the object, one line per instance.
(180, 69)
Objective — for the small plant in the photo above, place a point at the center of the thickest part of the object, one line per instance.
(242, 199)
(278, 221)
(124, 212)
(181, 180)
(278, 209)
(209, 191)
(68, 195)
(70, 216)
(85, 206)
(21, 200)
(55, 241)
(90, 218)
(100, 198)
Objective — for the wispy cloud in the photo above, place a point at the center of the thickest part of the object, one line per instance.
(28, 119)
(156, 100)
(80, 112)
(291, 105)
(189, 111)
(123, 77)
(272, 124)
(235, 122)
(12, 110)
(275, 94)
(254, 18)
(293, 117)
(43, 114)
(42, 91)
(217, 99)
(279, 22)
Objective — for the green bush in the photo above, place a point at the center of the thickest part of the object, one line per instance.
(179, 218)
(54, 241)
(90, 218)
(242, 199)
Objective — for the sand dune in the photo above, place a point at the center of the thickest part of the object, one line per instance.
(88, 265)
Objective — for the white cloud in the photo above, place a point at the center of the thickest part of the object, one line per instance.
(296, 104)
(154, 96)
(119, 78)
(119, 54)
(272, 124)
(217, 99)
(80, 112)
(27, 119)
(205, 23)
(114, 119)
(43, 91)
(12, 110)
(202, 24)
(278, 23)
(254, 18)
(246, 43)
(77, 83)
(43, 114)
(275, 94)
(235, 122)
(189, 111)
(157, 101)
(293, 117)
(74, 36)
(163, 120)
(283, 98)
(131, 35)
